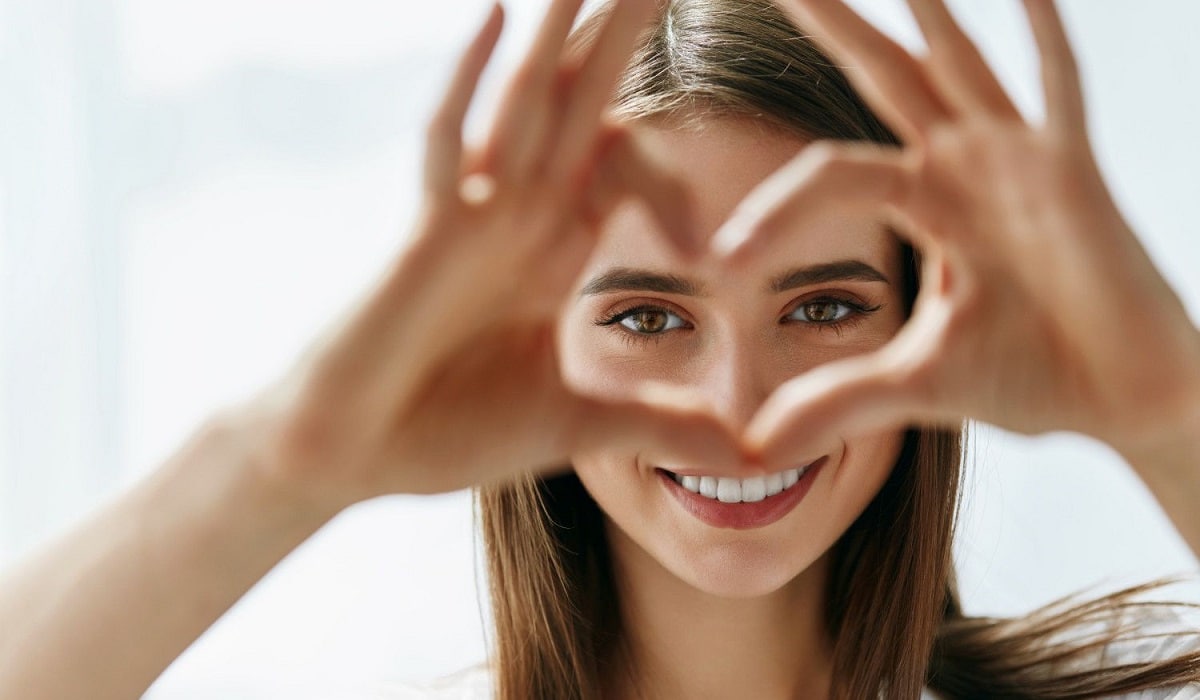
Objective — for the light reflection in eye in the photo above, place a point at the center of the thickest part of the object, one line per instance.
(822, 311)
(648, 320)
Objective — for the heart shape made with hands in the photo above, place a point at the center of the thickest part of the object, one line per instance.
(1011, 221)
(1030, 280)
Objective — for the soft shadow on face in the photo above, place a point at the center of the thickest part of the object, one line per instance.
(643, 314)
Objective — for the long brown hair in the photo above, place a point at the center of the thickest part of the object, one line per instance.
(892, 605)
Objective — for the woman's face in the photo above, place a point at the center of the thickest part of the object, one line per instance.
(643, 314)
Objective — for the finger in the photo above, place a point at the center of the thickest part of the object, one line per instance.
(525, 113)
(628, 170)
(823, 179)
(444, 147)
(1065, 110)
(891, 80)
(591, 87)
(663, 426)
(854, 396)
(956, 66)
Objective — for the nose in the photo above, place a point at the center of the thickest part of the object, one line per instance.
(737, 378)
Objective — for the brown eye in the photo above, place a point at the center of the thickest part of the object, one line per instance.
(652, 321)
(821, 311)
(827, 311)
(646, 320)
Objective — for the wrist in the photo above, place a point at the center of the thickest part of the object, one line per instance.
(1176, 444)
(1169, 466)
(246, 439)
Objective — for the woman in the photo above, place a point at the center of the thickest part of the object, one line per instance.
(761, 415)
(851, 591)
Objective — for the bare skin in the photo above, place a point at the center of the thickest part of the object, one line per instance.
(444, 376)
(448, 372)
(1032, 283)
(717, 612)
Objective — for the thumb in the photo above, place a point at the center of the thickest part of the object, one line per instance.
(854, 396)
(664, 425)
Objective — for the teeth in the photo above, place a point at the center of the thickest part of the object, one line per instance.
(729, 490)
(754, 489)
(732, 490)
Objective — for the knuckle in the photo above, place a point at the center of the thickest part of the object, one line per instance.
(968, 298)
(566, 76)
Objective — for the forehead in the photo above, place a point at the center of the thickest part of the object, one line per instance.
(720, 162)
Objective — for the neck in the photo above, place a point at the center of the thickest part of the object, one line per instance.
(685, 643)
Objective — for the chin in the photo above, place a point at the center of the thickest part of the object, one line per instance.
(736, 570)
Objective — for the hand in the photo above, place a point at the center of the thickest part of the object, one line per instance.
(1038, 308)
(447, 376)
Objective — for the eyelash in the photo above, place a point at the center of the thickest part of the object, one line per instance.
(858, 313)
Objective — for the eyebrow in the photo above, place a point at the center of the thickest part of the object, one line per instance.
(827, 272)
(635, 280)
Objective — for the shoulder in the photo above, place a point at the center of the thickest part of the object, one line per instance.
(474, 683)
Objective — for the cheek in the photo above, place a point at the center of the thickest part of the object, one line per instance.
(866, 465)
(623, 493)
(590, 365)
(585, 364)
(609, 478)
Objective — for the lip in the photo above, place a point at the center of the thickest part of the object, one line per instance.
(743, 516)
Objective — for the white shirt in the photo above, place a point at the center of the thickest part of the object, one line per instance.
(474, 683)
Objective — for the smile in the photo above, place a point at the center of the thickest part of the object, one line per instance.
(734, 490)
(741, 504)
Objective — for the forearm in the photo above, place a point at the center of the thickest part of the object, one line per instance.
(101, 612)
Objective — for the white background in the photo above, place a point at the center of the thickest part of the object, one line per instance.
(188, 191)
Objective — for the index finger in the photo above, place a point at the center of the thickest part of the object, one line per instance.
(823, 177)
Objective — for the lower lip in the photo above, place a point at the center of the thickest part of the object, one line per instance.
(743, 516)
